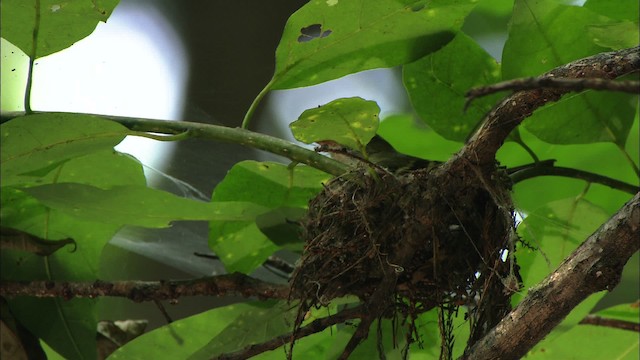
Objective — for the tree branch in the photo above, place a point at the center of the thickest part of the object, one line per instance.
(314, 327)
(553, 82)
(506, 116)
(533, 171)
(221, 285)
(274, 145)
(595, 266)
(612, 323)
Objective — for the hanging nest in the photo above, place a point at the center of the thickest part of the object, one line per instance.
(440, 233)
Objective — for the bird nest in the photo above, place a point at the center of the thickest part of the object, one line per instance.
(441, 237)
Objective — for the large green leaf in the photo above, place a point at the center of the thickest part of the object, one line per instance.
(255, 325)
(623, 34)
(67, 326)
(544, 34)
(619, 9)
(241, 245)
(618, 35)
(351, 122)
(135, 205)
(393, 341)
(182, 337)
(35, 144)
(594, 342)
(437, 85)
(557, 229)
(58, 24)
(411, 137)
(325, 40)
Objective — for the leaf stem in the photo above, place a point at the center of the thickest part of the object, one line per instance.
(239, 136)
(32, 59)
(254, 105)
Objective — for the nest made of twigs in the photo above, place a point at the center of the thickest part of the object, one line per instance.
(441, 234)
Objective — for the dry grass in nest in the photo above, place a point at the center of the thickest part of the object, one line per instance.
(440, 235)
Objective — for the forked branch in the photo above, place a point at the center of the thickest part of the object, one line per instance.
(505, 117)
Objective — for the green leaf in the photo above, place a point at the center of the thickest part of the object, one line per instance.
(74, 321)
(437, 85)
(619, 9)
(586, 118)
(351, 122)
(281, 226)
(543, 35)
(35, 144)
(411, 137)
(616, 36)
(325, 40)
(624, 312)
(557, 229)
(393, 344)
(255, 325)
(240, 244)
(603, 342)
(135, 205)
(61, 23)
(182, 337)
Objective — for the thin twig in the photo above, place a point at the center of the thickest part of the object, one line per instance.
(314, 327)
(163, 311)
(542, 170)
(612, 323)
(543, 82)
(32, 57)
(221, 285)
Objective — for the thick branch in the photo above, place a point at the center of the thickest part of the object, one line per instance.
(595, 266)
(506, 116)
(535, 171)
(222, 285)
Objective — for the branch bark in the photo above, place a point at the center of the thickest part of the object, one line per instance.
(235, 284)
(551, 170)
(506, 116)
(552, 82)
(595, 266)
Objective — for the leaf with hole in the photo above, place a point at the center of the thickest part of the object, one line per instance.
(325, 40)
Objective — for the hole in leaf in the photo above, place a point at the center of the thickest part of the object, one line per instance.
(312, 32)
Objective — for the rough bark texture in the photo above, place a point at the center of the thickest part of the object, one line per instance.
(595, 266)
